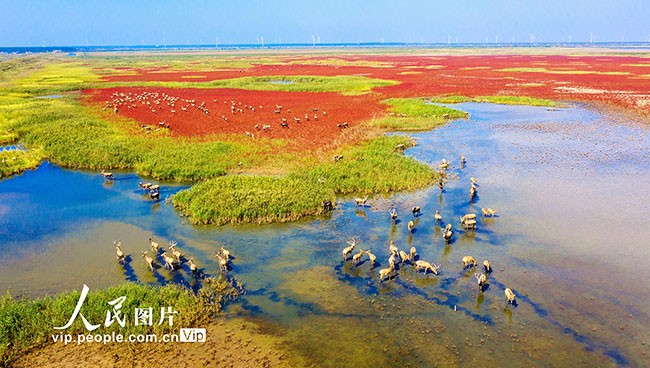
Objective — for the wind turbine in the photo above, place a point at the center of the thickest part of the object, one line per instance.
(591, 37)
(313, 40)
(532, 38)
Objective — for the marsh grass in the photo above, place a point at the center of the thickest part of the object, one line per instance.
(503, 100)
(332, 61)
(26, 323)
(167, 62)
(344, 84)
(16, 161)
(259, 199)
(420, 115)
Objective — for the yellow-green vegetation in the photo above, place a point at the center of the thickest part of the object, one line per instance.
(363, 169)
(344, 84)
(343, 62)
(166, 62)
(503, 100)
(30, 322)
(415, 114)
(16, 161)
(57, 77)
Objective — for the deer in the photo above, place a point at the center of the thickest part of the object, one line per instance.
(118, 250)
(416, 211)
(510, 296)
(410, 226)
(223, 262)
(487, 266)
(447, 233)
(361, 201)
(438, 216)
(392, 248)
(426, 266)
(169, 261)
(108, 175)
(175, 252)
(372, 257)
(347, 250)
(154, 246)
(357, 257)
(148, 260)
(412, 254)
(193, 267)
(469, 260)
(488, 212)
(481, 279)
(386, 272)
(393, 214)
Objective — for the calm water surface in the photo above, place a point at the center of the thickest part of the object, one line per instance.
(571, 188)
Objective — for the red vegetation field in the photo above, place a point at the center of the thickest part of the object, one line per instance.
(307, 119)
(620, 80)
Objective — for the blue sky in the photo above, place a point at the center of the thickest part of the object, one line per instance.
(151, 22)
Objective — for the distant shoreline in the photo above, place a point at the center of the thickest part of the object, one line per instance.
(609, 46)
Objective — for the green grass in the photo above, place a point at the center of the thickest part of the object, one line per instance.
(344, 84)
(111, 64)
(503, 100)
(332, 61)
(17, 161)
(259, 199)
(26, 323)
(420, 115)
(57, 77)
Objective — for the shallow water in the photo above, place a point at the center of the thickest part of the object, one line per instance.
(281, 82)
(571, 189)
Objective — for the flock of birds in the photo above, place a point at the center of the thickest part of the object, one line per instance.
(398, 258)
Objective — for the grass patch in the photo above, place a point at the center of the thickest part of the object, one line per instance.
(16, 161)
(26, 323)
(344, 84)
(259, 199)
(343, 62)
(57, 77)
(415, 114)
(503, 100)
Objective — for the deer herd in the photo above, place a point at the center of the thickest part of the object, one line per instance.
(172, 258)
(399, 259)
(226, 110)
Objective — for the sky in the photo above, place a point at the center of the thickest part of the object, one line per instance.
(184, 22)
